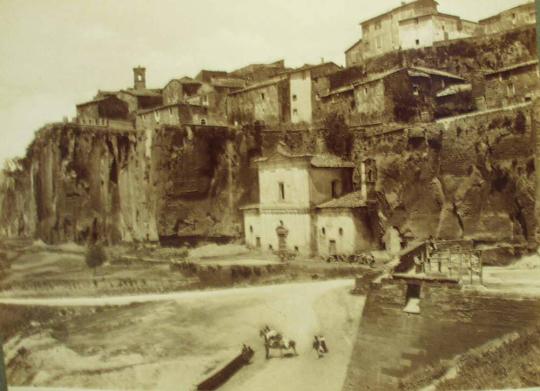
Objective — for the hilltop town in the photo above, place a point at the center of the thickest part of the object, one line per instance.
(412, 168)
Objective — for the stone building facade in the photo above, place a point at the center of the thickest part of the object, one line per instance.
(179, 90)
(264, 103)
(354, 54)
(307, 83)
(412, 25)
(512, 84)
(509, 19)
(400, 95)
(422, 31)
(175, 114)
(109, 107)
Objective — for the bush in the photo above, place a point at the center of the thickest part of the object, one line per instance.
(337, 136)
(95, 257)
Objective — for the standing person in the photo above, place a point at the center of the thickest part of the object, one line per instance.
(322, 342)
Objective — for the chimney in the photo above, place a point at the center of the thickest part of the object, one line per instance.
(139, 78)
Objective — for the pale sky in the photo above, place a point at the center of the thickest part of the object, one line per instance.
(56, 53)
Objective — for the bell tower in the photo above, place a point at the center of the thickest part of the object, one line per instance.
(139, 78)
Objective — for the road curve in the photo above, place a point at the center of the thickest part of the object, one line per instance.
(174, 296)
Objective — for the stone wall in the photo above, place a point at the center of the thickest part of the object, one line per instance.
(392, 343)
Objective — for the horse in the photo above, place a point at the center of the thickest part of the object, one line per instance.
(274, 340)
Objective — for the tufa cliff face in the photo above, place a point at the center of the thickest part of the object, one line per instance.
(466, 178)
(84, 183)
(199, 178)
(88, 183)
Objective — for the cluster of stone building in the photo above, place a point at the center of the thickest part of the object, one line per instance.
(307, 202)
(419, 24)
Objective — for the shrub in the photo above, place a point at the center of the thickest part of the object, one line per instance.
(95, 257)
(337, 136)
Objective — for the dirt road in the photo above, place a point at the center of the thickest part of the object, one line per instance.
(172, 341)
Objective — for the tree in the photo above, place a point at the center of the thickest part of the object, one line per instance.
(95, 257)
(337, 136)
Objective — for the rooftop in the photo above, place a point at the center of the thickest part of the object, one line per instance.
(316, 160)
(403, 5)
(308, 67)
(512, 67)
(525, 5)
(142, 92)
(180, 104)
(351, 200)
(262, 84)
(353, 45)
(455, 89)
(97, 100)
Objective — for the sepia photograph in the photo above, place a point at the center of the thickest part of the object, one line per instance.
(286, 195)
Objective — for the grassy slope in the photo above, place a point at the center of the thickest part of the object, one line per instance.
(514, 363)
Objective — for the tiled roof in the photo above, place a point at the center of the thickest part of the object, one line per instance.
(94, 101)
(316, 160)
(431, 71)
(307, 67)
(142, 92)
(403, 5)
(348, 87)
(262, 84)
(353, 45)
(455, 89)
(377, 76)
(512, 67)
(188, 80)
(330, 161)
(228, 82)
(351, 200)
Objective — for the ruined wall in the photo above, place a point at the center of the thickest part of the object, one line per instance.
(466, 178)
(391, 343)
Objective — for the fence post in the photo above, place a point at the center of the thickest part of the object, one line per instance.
(3, 377)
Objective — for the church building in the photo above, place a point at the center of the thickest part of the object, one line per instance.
(307, 205)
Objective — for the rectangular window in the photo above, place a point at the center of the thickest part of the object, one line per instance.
(281, 191)
(262, 96)
(417, 42)
(294, 97)
(295, 111)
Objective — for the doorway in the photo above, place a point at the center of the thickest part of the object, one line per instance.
(332, 249)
